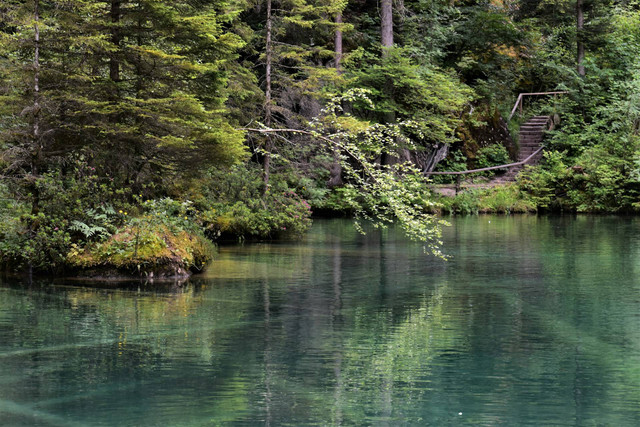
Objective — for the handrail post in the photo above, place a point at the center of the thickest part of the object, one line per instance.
(521, 102)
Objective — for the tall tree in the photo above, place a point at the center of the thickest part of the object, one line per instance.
(338, 40)
(139, 87)
(267, 95)
(579, 37)
(295, 45)
(386, 25)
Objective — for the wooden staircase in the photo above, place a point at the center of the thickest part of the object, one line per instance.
(530, 141)
(531, 135)
(529, 153)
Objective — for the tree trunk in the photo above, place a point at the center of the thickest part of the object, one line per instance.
(386, 28)
(428, 159)
(36, 155)
(579, 36)
(338, 41)
(267, 100)
(114, 65)
(386, 36)
(335, 170)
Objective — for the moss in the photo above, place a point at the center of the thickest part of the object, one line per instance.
(146, 248)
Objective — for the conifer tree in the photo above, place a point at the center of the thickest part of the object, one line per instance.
(297, 47)
(139, 87)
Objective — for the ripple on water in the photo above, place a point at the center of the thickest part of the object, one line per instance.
(533, 321)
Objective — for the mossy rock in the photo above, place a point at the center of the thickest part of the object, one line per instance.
(144, 248)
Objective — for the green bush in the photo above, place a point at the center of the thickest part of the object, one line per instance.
(231, 204)
(456, 161)
(598, 181)
(340, 199)
(492, 155)
(71, 208)
(501, 199)
(275, 215)
(43, 246)
(145, 245)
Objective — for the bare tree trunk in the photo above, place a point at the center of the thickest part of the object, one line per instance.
(338, 41)
(114, 65)
(140, 79)
(267, 101)
(427, 160)
(386, 28)
(386, 37)
(36, 157)
(36, 74)
(335, 171)
(579, 36)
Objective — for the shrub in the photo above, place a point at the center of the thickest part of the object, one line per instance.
(501, 199)
(231, 204)
(71, 208)
(456, 161)
(340, 199)
(146, 245)
(276, 215)
(492, 155)
(43, 246)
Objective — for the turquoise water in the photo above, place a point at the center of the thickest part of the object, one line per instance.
(533, 321)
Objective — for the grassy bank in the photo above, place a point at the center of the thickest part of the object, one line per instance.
(504, 199)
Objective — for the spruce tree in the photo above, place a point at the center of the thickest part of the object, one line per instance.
(139, 87)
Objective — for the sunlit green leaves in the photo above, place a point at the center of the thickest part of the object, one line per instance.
(382, 194)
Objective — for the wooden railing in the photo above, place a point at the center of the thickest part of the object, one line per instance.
(509, 165)
(549, 126)
(522, 95)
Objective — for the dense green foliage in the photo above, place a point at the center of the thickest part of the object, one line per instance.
(250, 115)
(505, 199)
(592, 162)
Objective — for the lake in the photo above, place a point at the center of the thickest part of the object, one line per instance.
(532, 321)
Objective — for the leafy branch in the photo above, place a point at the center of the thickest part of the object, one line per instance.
(386, 193)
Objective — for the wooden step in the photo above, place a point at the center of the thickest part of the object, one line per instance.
(531, 131)
(523, 156)
(531, 135)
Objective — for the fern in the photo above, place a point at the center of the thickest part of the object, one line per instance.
(88, 231)
(97, 223)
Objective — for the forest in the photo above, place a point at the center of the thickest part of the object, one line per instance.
(134, 135)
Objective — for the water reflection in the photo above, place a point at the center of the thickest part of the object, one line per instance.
(534, 320)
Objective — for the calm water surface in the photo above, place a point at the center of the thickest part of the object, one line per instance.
(534, 321)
